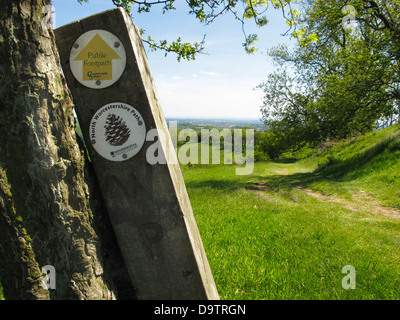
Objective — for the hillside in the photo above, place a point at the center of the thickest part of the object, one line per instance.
(287, 230)
(369, 164)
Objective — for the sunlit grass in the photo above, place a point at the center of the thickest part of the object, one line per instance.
(266, 238)
(281, 243)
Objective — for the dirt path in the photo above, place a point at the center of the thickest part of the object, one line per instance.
(360, 202)
(260, 188)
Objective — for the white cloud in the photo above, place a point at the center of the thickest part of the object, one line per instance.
(216, 98)
(210, 73)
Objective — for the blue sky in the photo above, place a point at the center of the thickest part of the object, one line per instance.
(219, 84)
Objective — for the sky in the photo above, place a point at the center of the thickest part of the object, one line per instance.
(219, 84)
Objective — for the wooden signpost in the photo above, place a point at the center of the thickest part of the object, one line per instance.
(107, 71)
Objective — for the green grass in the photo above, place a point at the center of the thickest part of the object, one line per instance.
(1, 293)
(280, 242)
(268, 236)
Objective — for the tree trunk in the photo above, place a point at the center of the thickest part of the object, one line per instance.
(46, 214)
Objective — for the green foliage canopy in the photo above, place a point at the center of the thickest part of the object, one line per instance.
(206, 11)
(344, 76)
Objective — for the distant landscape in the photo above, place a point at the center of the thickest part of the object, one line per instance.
(255, 124)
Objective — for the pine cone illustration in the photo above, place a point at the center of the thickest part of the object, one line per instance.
(117, 133)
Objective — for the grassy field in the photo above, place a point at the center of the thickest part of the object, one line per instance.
(287, 230)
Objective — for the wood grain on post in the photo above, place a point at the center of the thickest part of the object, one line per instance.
(148, 203)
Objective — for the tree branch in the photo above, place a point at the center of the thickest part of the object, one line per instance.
(378, 13)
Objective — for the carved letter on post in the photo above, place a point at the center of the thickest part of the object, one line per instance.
(107, 71)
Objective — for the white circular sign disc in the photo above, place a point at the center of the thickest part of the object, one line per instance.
(97, 59)
(117, 131)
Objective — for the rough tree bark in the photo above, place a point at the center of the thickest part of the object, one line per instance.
(50, 210)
